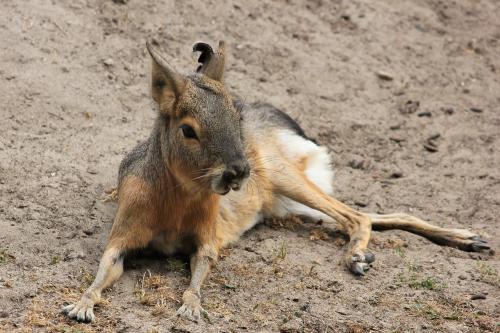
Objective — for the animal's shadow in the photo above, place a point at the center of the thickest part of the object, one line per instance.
(309, 229)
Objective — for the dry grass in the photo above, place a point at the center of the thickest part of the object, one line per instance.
(177, 265)
(111, 195)
(290, 222)
(391, 243)
(281, 252)
(456, 310)
(488, 274)
(318, 234)
(440, 309)
(86, 279)
(153, 290)
(37, 316)
(5, 256)
(44, 313)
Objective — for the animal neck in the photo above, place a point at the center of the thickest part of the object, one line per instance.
(184, 185)
(177, 188)
(189, 207)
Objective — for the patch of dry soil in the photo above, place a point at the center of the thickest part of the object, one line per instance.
(404, 93)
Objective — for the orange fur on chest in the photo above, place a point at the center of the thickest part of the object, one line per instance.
(172, 212)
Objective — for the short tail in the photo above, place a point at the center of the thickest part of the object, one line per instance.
(459, 238)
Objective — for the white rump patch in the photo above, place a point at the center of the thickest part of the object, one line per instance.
(318, 170)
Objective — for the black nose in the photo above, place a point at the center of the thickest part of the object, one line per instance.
(236, 172)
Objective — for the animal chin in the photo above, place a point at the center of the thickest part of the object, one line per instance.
(225, 192)
(219, 187)
(222, 188)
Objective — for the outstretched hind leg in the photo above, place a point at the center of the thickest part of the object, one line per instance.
(462, 239)
(296, 186)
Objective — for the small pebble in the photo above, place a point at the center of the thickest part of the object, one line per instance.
(89, 231)
(92, 171)
(424, 114)
(295, 325)
(448, 110)
(478, 296)
(409, 107)
(384, 76)
(359, 164)
(396, 174)
(398, 92)
(434, 136)
(342, 311)
(430, 147)
(108, 62)
(397, 139)
(395, 127)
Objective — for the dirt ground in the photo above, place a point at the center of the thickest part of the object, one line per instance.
(406, 94)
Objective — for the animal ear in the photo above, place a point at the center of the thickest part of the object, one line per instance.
(211, 63)
(166, 84)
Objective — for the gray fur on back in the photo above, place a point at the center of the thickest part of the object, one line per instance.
(265, 115)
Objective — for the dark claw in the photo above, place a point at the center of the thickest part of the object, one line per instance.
(359, 268)
(478, 239)
(369, 257)
(357, 258)
(479, 246)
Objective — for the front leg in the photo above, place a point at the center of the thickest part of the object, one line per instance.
(200, 265)
(110, 269)
(131, 230)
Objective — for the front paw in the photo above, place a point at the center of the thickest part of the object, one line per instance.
(81, 311)
(191, 308)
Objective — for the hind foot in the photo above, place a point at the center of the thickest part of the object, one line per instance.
(464, 240)
(472, 243)
(359, 262)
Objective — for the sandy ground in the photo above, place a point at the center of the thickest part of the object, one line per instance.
(405, 94)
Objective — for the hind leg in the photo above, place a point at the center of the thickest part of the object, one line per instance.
(460, 238)
(295, 185)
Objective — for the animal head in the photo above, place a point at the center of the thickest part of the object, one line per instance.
(201, 136)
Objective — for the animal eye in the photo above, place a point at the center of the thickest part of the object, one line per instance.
(188, 132)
